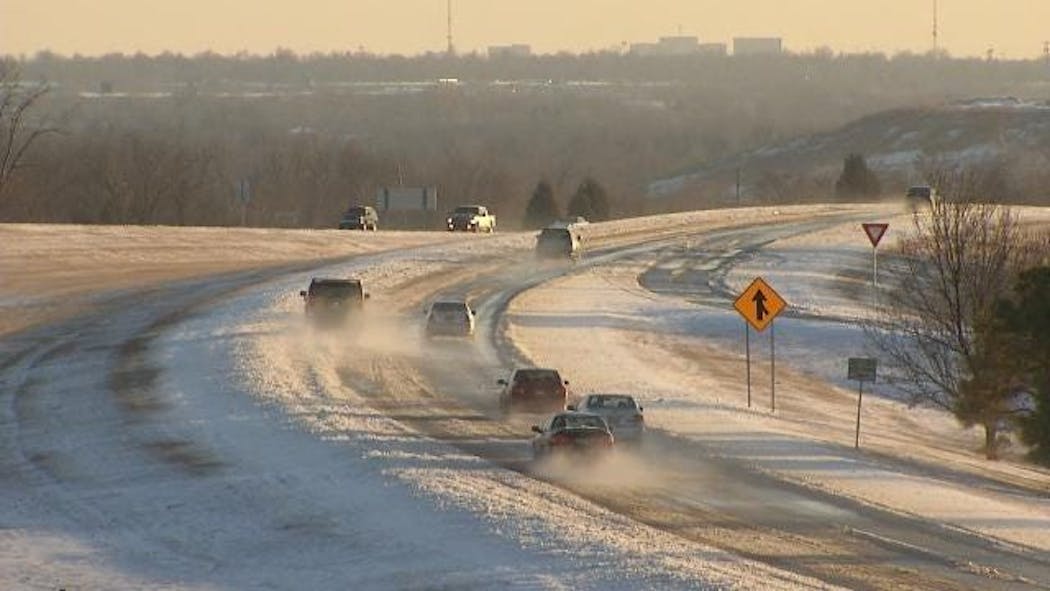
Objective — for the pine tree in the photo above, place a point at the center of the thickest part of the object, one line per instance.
(857, 180)
(542, 209)
(1028, 320)
(590, 201)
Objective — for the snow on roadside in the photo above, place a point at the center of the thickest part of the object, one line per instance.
(52, 271)
(535, 527)
(698, 391)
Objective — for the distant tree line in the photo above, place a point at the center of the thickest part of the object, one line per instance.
(167, 138)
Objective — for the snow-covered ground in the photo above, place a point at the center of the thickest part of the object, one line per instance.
(686, 363)
(160, 443)
(205, 441)
(50, 271)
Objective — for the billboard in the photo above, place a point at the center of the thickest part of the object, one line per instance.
(406, 199)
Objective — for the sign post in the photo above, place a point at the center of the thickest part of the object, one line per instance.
(747, 356)
(759, 304)
(875, 232)
(861, 369)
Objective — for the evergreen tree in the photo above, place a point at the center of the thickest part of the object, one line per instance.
(590, 201)
(542, 209)
(857, 180)
(1027, 318)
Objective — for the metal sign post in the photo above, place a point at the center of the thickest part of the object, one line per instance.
(862, 370)
(747, 354)
(772, 367)
(759, 304)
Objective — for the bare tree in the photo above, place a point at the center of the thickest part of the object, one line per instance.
(938, 329)
(17, 134)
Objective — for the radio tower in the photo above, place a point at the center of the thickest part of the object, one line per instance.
(935, 46)
(451, 49)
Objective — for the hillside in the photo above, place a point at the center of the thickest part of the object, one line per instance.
(1009, 134)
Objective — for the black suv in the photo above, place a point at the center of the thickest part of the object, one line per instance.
(328, 300)
(360, 217)
(558, 242)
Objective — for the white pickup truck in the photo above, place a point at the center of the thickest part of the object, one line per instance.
(471, 218)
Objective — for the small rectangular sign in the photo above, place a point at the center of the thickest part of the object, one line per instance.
(406, 199)
(862, 369)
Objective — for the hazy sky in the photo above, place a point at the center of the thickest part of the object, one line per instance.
(1015, 28)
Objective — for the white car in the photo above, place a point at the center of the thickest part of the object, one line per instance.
(620, 411)
(450, 318)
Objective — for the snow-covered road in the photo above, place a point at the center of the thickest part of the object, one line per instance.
(197, 436)
(142, 447)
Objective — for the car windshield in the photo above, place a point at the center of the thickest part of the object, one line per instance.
(536, 375)
(580, 421)
(356, 212)
(606, 402)
(449, 307)
(471, 210)
(336, 289)
(919, 192)
(555, 234)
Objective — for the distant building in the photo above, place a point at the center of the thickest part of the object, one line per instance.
(515, 50)
(679, 45)
(712, 49)
(644, 49)
(757, 45)
(668, 46)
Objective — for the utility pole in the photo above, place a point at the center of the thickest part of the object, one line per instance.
(936, 48)
(739, 172)
(451, 49)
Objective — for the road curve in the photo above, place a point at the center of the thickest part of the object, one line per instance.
(85, 399)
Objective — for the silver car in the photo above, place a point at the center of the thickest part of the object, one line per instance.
(620, 411)
(455, 318)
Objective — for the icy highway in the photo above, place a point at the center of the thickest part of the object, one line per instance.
(199, 435)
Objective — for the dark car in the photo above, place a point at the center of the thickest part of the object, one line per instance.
(328, 300)
(534, 389)
(450, 318)
(571, 432)
(558, 242)
(921, 196)
(360, 217)
(471, 218)
(620, 411)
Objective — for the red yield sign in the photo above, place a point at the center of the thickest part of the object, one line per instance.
(875, 232)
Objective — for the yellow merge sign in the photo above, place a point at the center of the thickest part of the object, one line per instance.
(759, 304)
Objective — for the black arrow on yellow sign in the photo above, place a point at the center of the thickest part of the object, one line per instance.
(760, 305)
